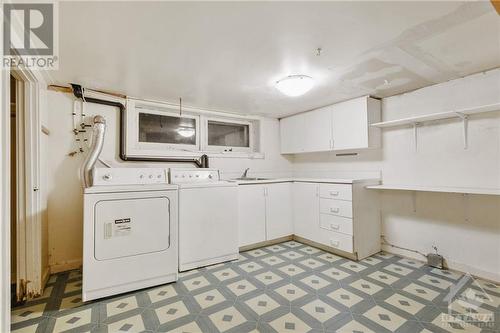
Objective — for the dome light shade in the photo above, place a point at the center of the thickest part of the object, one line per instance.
(295, 85)
(186, 132)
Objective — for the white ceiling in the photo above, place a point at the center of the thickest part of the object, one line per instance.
(227, 55)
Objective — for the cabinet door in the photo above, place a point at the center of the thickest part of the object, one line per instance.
(291, 134)
(279, 216)
(251, 214)
(306, 210)
(316, 131)
(350, 124)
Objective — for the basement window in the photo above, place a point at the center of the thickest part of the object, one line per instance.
(228, 136)
(167, 129)
(158, 130)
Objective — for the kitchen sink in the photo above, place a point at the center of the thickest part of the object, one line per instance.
(251, 178)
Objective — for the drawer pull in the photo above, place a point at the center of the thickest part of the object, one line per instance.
(334, 243)
(334, 193)
(334, 226)
(334, 210)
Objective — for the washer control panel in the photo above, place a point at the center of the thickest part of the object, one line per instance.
(129, 176)
(183, 176)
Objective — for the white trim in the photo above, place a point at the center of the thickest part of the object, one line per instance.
(134, 148)
(228, 149)
(5, 198)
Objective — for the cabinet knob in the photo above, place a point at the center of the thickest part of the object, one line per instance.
(334, 243)
(334, 226)
(334, 210)
(334, 193)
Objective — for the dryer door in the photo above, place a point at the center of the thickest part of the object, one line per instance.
(131, 226)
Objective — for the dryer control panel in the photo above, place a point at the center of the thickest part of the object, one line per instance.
(129, 176)
(183, 176)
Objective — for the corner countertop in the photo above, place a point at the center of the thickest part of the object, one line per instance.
(306, 180)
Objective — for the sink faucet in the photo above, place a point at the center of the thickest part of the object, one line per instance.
(244, 175)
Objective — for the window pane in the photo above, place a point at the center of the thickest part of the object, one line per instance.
(166, 129)
(228, 134)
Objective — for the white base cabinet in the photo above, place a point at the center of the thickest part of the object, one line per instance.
(251, 214)
(344, 217)
(264, 212)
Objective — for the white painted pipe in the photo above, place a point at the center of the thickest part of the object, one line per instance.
(99, 129)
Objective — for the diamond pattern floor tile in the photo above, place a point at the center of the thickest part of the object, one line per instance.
(291, 292)
(354, 327)
(227, 318)
(171, 312)
(289, 323)
(320, 310)
(209, 298)
(345, 297)
(286, 287)
(385, 318)
(262, 304)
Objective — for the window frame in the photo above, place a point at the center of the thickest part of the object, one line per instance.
(132, 148)
(138, 148)
(227, 149)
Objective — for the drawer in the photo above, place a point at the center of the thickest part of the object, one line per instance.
(336, 223)
(337, 240)
(336, 191)
(335, 207)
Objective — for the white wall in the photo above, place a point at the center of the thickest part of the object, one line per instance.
(65, 192)
(465, 228)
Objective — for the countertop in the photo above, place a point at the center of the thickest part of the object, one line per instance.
(306, 180)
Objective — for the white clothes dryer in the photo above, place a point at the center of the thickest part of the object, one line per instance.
(130, 231)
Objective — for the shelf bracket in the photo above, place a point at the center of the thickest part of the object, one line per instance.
(415, 135)
(465, 122)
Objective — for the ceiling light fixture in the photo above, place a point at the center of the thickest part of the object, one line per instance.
(295, 85)
(186, 132)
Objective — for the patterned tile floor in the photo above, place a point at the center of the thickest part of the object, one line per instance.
(289, 287)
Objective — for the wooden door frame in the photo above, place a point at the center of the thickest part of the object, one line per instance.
(31, 85)
(5, 200)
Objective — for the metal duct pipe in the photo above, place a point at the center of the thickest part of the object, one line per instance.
(99, 129)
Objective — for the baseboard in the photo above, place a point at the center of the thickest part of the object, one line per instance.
(451, 265)
(266, 243)
(352, 256)
(65, 266)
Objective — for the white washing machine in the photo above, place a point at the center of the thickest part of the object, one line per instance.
(130, 231)
(208, 217)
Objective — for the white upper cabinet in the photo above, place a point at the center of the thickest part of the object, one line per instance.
(316, 134)
(290, 129)
(351, 124)
(342, 126)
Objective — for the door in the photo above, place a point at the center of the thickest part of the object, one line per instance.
(251, 214)
(316, 131)
(291, 134)
(306, 209)
(131, 226)
(31, 251)
(279, 216)
(350, 124)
